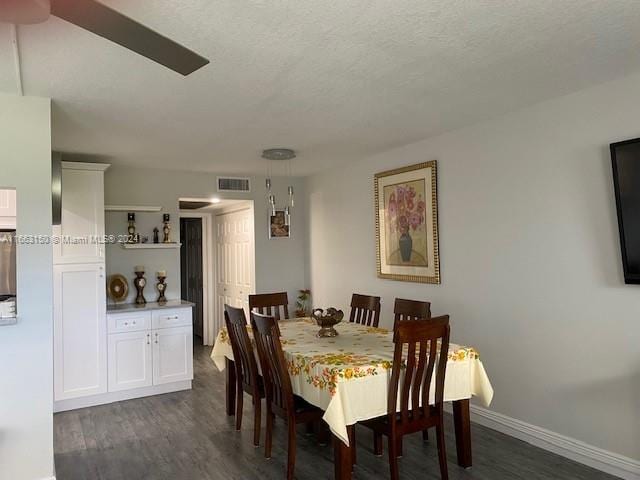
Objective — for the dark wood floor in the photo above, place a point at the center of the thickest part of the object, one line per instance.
(186, 435)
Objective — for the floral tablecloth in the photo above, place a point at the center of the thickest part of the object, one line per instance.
(347, 376)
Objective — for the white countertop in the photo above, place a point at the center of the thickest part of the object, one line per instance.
(132, 307)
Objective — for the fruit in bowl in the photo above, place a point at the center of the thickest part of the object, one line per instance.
(326, 320)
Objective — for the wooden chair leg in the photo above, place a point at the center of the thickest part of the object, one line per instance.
(351, 431)
(269, 434)
(399, 442)
(310, 428)
(377, 444)
(393, 458)
(322, 433)
(442, 452)
(257, 418)
(291, 447)
(239, 402)
(425, 435)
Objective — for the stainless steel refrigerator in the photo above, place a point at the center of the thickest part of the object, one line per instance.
(7, 264)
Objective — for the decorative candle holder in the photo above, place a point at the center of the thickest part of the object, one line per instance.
(140, 282)
(162, 287)
(131, 229)
(166, 229)
(156, 239)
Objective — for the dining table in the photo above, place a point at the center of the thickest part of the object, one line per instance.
(348, 375)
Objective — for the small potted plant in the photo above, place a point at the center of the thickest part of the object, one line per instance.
(303, 303)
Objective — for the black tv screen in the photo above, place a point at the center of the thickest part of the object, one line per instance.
(625, 158)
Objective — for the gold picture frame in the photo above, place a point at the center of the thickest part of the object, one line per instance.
(406, 207)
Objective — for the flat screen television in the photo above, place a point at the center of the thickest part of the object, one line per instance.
(625, 158)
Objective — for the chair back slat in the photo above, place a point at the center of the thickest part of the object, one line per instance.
(417, 386)
(274, 366)
(426, 343)
(245, 360)
(410, 310)
(365, 310)
(270, 304)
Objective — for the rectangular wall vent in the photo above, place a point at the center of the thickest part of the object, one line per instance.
(233, 184)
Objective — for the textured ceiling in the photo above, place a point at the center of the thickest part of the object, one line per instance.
(335, 80)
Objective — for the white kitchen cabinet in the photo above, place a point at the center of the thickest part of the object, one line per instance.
(172, 355)
(7, 209)
(130, 360)
(81, 232)
(80, 331)
(150, 346)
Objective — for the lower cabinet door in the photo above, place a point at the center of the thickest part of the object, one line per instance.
(79, 331)
(130, 360)
(172, 355)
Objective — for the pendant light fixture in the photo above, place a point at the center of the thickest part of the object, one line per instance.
(275, 155)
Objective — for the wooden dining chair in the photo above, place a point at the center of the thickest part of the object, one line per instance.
(280, 398)
(270, 304)
(410, 310)
(365, 310)
(247, 377)
(408, 408)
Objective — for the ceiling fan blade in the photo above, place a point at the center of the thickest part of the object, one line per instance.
(106, 22)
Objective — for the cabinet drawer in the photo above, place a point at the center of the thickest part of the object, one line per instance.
(128, 322)
(171, 317)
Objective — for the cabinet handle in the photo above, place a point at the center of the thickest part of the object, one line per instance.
(125, 324)
(156, 337)
(175, 317)
(148, 339)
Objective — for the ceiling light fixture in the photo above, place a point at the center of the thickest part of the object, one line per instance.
(278, 154)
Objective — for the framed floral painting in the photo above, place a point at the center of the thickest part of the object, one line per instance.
(406, 206)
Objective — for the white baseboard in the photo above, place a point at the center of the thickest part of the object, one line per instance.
(93, 400)
(598, 458)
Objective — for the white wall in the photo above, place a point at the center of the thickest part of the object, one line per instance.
(530, 258)
(279, 262)
(26, 357)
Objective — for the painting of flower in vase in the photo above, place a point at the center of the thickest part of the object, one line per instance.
(406, 235)
(407, 223)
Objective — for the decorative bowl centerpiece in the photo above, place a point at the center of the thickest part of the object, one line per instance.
(326, 320)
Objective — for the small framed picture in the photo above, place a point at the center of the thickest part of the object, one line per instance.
(278, 227)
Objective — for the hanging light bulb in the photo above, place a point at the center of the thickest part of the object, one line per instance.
(287, 217)
(272, 204)
(290, 190)
(268, 184)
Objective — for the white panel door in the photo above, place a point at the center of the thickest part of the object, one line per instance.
(7, 203)
(172, 354)
(130, 360)
(8, 209)
(235, 260)
(82, 227)
(80, 331)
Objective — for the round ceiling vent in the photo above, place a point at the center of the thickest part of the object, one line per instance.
(278, 154)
